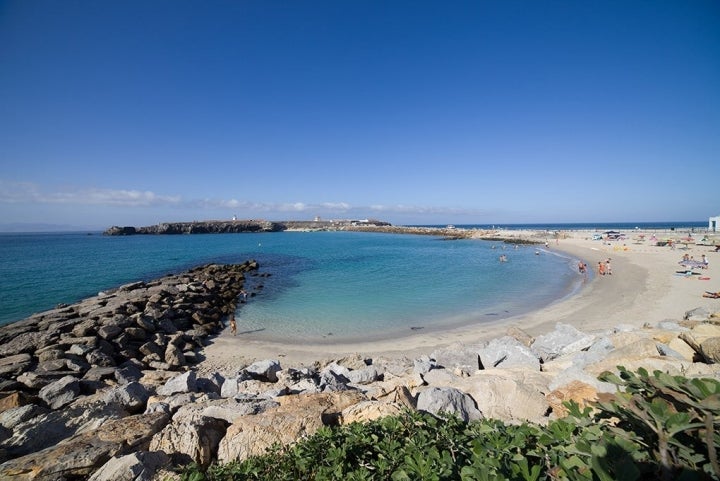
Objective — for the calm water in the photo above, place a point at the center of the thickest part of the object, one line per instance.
(332, 286)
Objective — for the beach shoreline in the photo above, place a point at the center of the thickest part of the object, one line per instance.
(644, 288)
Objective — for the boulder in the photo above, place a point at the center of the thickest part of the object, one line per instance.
(13, 417)
(710, 349)
(457, 356)
(264, 370)
(127, 373)
(174, 356)
(83, 454)
(230, 410)
(364, 375)
(61, 392)
(449, 400)
(138, 466)
(563, 340)
(697, 314)
(366, 411)
(577, 391)
(509, 395)
(183, 383)
(12, 366)
(508, 352)
(682, 348)
(296, 417)
(190, 437)
(132, 397)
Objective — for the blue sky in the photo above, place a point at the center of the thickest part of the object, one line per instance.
(134, 113)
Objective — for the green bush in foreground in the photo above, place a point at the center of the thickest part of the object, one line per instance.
(657, 427)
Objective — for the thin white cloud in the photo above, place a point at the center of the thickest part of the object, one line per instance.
(30, 193)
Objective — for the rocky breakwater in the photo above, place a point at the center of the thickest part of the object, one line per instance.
(79, 375)
(141, 424)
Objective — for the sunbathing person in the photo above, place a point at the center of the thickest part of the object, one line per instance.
(712, 295)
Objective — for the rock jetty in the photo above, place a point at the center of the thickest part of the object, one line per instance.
(110, 388)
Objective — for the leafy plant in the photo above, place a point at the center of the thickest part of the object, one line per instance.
(674, 416)
(656, 427)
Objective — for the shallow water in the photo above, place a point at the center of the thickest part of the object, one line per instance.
(332, 286)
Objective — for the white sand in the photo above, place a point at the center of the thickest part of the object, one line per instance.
(643, 288)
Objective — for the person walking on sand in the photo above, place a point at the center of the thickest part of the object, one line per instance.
(608, 269)
(601, 268)
(233, 325)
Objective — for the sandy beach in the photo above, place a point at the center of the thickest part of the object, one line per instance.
(644, 288)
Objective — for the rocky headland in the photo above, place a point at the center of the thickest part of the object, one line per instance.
(237, 227)
(259, 226)
(114, 387)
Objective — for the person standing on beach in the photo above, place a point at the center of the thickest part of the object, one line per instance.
(601, 268)
(233, 325)
(608, 269)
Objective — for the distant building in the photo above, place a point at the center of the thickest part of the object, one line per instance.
(714, 224)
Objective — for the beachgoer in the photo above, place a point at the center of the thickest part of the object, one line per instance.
(243, 294)
(608, 269)
(581, 267)
(233, 325)
(705, 261)
(601, 268)
(712, 295)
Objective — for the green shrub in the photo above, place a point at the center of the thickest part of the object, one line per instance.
(656, 427)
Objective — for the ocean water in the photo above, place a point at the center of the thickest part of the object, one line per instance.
(323, 286)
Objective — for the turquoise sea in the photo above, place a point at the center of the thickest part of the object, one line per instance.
(333, 286)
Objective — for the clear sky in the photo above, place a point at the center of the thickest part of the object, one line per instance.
(413, 112)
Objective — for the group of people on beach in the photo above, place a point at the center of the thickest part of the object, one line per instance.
(604, 268)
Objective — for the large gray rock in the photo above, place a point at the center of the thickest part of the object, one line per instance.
(710, 349)
(139, 466)
(264, 370)
(132, 397)
(365, 375)
(507, 352)
(83, 454)
(438, 400)
(509, 395)
(14, 365)
(174, 356)
(190, 437)
(330, 380)
(229, 411)
(13, 417)
(697, 314)
(563, 340)
(458, 357)
(183, 383)
(61, 392)
(296, 417)
(39, 428)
